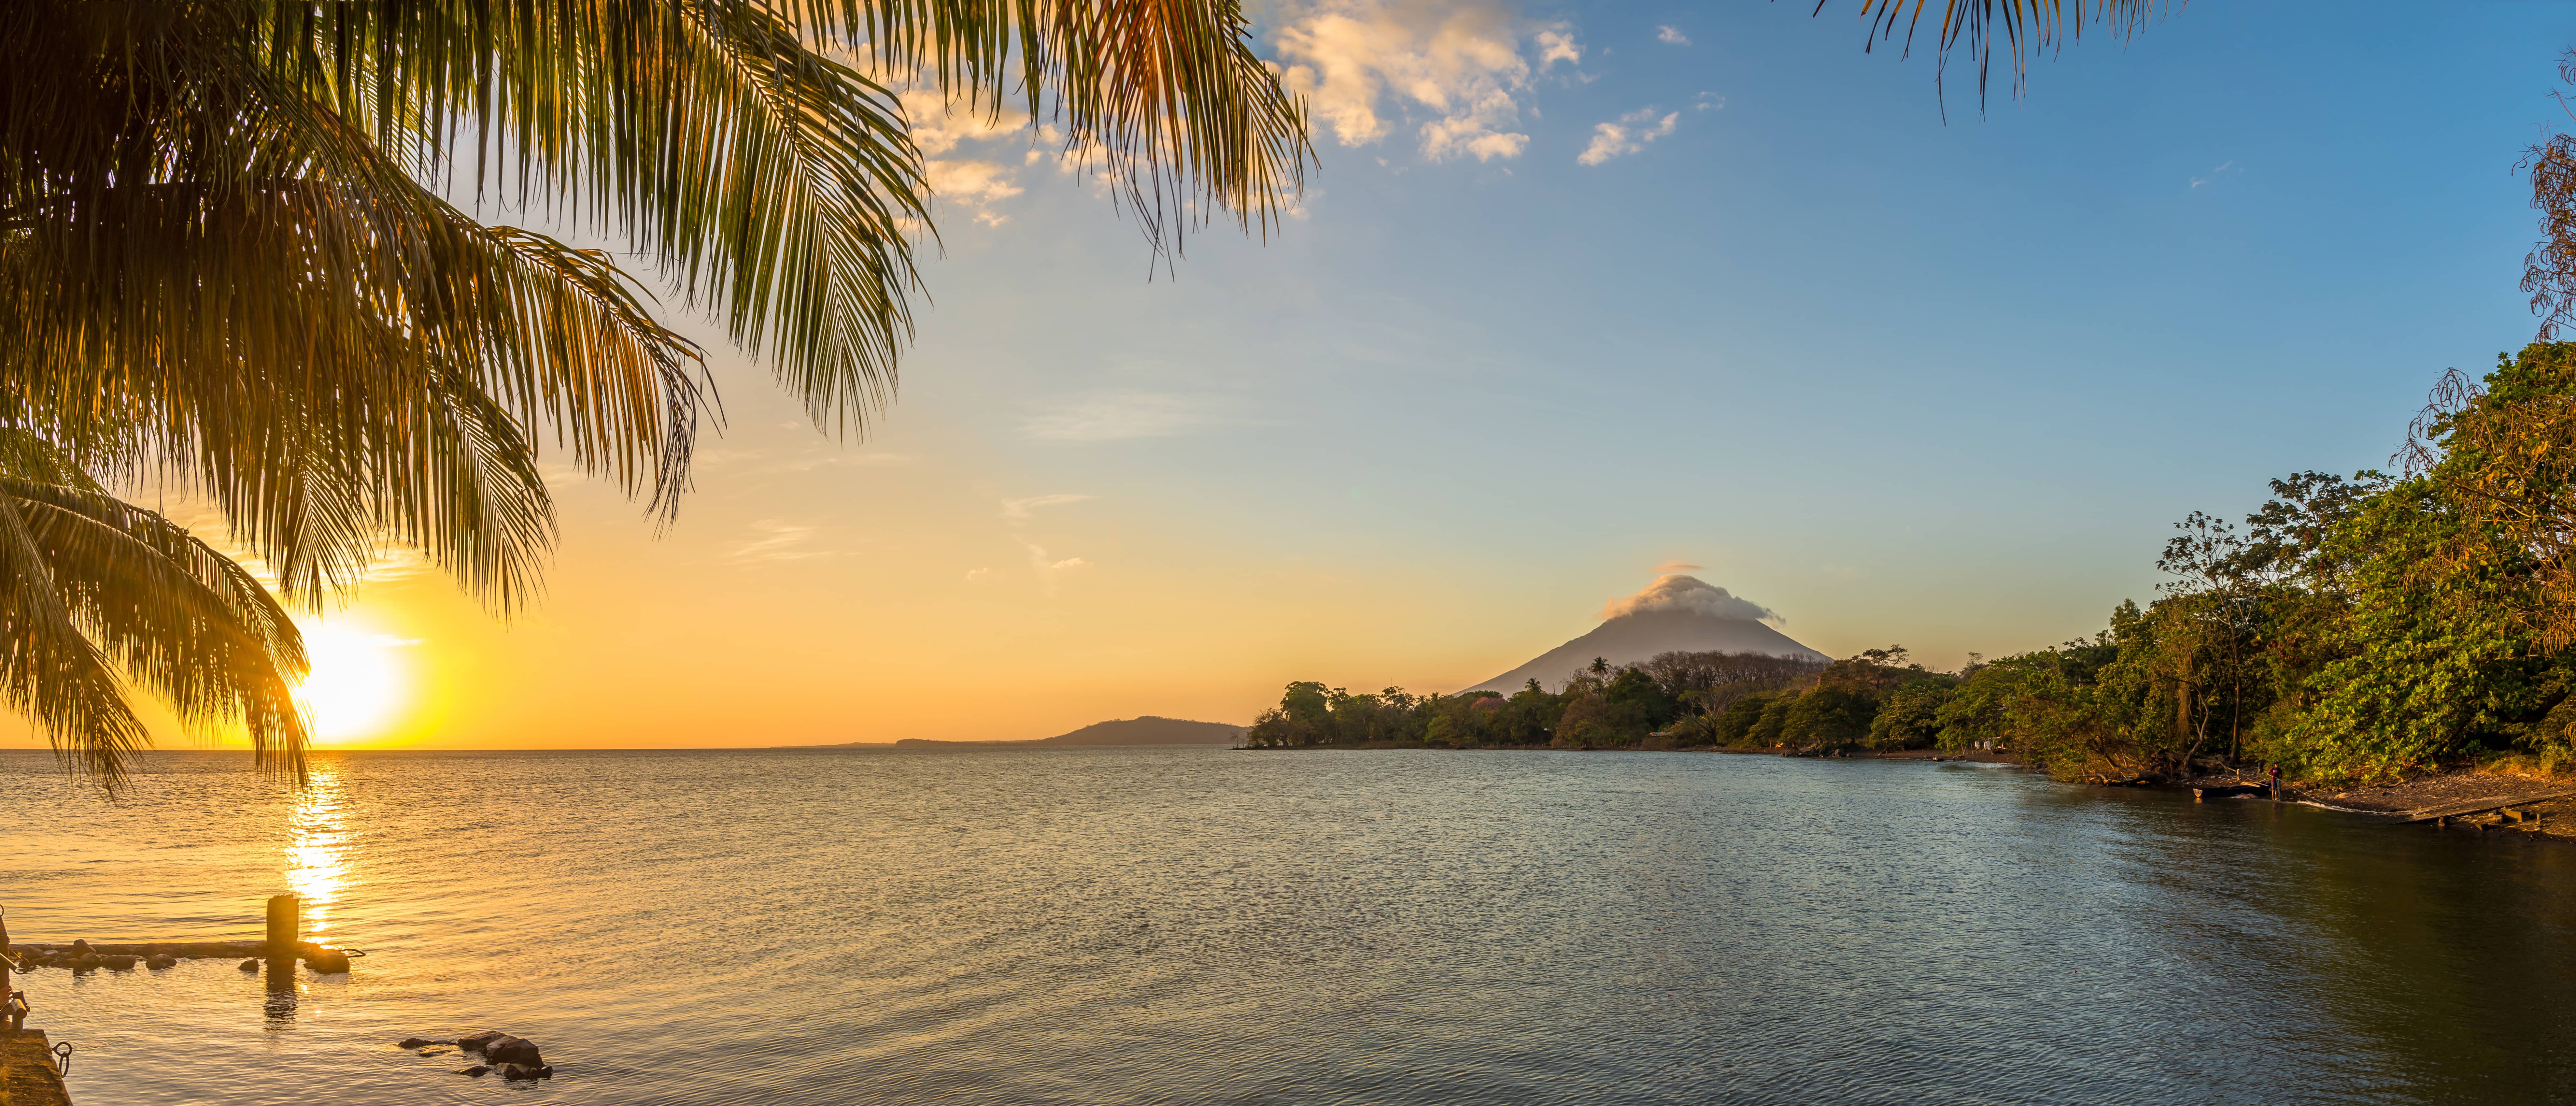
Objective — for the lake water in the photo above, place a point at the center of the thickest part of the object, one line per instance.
(1209, 926)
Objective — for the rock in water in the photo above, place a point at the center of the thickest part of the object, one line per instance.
(476, 1071)
(120, 962)
(328, 962)
(165, 960)
(475, 1042)
(525, 1071)
(250, 965)
(506, 1049)
(419, 1042)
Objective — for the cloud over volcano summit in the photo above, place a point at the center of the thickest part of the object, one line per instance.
(1676, 592)
(1676, 613)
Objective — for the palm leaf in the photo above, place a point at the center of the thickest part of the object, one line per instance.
(95, 592)
(2027, 27)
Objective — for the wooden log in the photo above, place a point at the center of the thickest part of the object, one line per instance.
(2480, 806)
(184, 950)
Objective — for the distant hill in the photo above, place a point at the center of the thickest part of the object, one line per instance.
(1147, 730)
(1675, 614)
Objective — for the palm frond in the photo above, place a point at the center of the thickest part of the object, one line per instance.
(172, 614)
(95, 592)
(317, 319)
(1168, 94)
(2027, 27)
(768, 183)
(50, 673)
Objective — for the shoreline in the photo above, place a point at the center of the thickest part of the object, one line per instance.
(2522, 804)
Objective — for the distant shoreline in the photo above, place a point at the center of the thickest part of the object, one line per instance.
(1740, 750)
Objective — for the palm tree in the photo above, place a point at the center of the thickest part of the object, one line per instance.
(224, 266)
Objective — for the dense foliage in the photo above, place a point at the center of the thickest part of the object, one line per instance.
(2354, 628)
(1676, 700)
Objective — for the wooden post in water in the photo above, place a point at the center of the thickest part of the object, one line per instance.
(285, 926)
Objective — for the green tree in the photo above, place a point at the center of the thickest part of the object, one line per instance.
(1586, 723)
(1830, 715)
(1530, 717)
(1769, 726)
(1910, 716)
(1635, 705)
(1735, 724)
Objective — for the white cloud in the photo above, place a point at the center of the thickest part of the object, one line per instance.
(1020, 508)
(939, 124)
(2213, 175)
(973, 185)
(1556, 43)
(1669, 567)
(1628, 135)
(1129, 415)
(811, 462)
(1462, 62)
(1708, 102)
(1687, 593)
(1672, 35)
(1049, 569)
(778, 540)
(974, 574)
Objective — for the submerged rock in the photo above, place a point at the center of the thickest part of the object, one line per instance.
(474, 1042)
(165, 960)
(525, 1071)
(476, 1071)
(328, 961)
(417, 1042)
(120, 962)
(507, 1049)
(250, 965)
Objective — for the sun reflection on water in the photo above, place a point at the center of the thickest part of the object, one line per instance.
(317, 862)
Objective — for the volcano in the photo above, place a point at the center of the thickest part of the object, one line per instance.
(1673, 614)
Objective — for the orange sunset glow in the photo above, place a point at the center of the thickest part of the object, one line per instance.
(1309, 552)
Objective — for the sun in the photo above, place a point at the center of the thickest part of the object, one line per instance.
(356, 688)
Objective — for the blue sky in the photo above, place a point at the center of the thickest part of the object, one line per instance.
(1899, 379)
(1944, 384)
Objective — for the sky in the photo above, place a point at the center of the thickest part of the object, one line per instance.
(1574, 293)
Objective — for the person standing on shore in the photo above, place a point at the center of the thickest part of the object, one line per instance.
(2275, 773)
